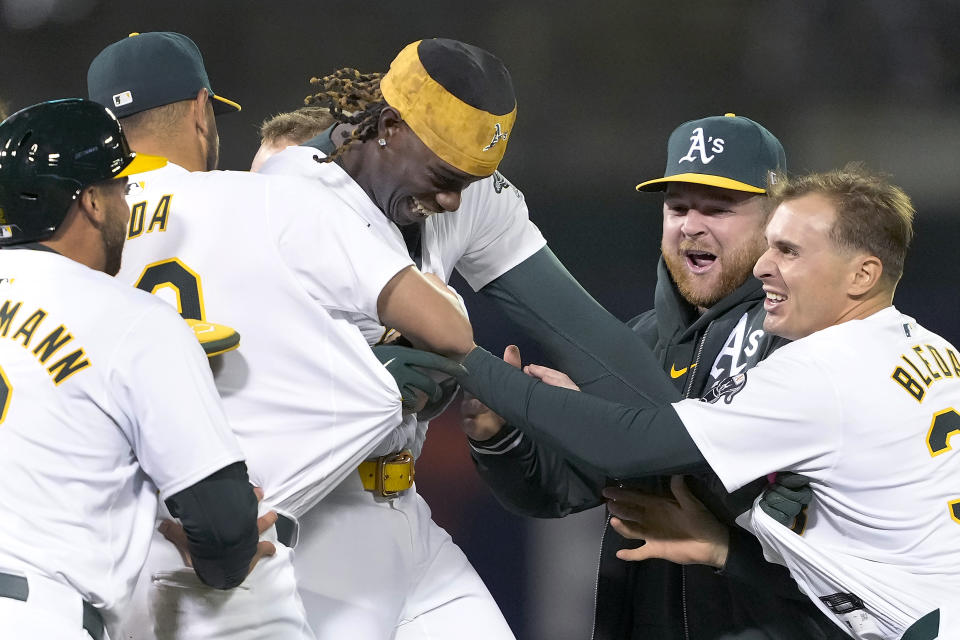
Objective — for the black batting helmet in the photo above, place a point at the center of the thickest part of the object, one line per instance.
(49, 153)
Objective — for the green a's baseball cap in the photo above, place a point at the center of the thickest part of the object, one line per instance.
(728, 151)
(148, 70)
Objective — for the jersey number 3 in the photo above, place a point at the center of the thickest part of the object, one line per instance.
(181, 280)
(945, 425)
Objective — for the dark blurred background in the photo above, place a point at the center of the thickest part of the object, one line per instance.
(600, 84)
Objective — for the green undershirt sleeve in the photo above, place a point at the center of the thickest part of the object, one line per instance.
(598, 351)
(614, 439)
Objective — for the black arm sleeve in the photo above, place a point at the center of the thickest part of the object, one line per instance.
(606, 359)
(581, 338)
(219, 516)
(596, 350)
(612, 439)
(530, 479)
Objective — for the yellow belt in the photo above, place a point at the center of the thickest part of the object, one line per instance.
(388, 475)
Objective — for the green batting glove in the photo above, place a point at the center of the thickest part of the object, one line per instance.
(787, 497)
(448, 389)
(407, 367)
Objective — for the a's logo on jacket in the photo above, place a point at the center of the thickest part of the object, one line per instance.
(742, 348)
(726, 389)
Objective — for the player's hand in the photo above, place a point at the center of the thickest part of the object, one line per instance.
(174, 533)
(477, 420)
(412, 370)
(680, 530)
(433, 408)
(786, 498)
(550, 376)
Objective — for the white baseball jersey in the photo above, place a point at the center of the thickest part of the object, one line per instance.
(104, 389)
(866, 409)
(487, 236)
(270, 256)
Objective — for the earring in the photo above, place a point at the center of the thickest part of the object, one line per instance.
(382, 142)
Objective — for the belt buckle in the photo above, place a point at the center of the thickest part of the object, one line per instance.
(401, 457)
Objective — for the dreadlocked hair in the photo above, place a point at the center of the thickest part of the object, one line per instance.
(352, 97)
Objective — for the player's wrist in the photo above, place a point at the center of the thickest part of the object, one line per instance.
(492, 440)
(485, 435)
(721, 551)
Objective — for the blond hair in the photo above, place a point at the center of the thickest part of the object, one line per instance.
(873, 215)
(297, 126)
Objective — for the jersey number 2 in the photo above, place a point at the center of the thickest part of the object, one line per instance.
(945, 425)
(182, 280)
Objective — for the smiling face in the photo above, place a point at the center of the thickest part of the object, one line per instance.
(711, 239)
(412, 182)
(806, 275)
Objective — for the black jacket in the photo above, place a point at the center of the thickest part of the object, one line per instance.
(751, 599)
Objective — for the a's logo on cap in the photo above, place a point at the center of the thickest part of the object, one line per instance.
(697, 144)
(497, 137)
(121, 99)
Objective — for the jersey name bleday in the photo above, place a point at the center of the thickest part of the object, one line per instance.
(865, 409)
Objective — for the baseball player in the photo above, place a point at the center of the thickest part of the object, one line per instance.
(96, 420)
(290, 129)
(403, 164)
(490, 239)
(282, 261)
(863, 392)
(706, 325)
(460, 234)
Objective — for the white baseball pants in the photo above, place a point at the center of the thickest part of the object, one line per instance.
(372, 568)
(170, 602)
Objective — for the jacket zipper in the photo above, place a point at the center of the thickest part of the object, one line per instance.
(696, 361)
(596, 581)
(603, 536)
(683, 570)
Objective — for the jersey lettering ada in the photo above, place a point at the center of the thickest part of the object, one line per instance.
(138, 214)
(880, 545)
(304, 394)
(88, 432)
